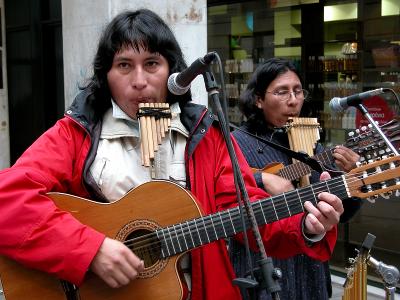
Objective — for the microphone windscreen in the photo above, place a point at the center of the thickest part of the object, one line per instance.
(335, 105)
(174, 87)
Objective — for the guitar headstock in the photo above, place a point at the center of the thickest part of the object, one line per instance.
(369, 144)
(379, 177)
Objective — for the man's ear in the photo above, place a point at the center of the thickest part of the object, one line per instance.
(259, 102)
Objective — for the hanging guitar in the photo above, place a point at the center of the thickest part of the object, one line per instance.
(364, 141)
(159, 221)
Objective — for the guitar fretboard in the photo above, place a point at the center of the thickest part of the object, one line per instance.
(300, 169)
(197, 232)
(366, 143)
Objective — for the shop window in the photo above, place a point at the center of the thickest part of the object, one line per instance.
(341, 49)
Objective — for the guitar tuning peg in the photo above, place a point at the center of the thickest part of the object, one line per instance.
(368, 187)
(397, 180)
(357, 130)
(363, 128)
(386, 195)
(351, 133)
(370, 126)
(372, 198)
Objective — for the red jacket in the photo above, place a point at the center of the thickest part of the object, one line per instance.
(34, 232)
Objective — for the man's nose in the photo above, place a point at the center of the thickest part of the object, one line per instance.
(139, 78)
(292, 98)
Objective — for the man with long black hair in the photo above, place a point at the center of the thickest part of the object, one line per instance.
(94, 152)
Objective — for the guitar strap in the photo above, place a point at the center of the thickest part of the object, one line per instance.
(71, 290)
(300, 156)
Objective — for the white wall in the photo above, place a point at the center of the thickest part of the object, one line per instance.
(83, 21)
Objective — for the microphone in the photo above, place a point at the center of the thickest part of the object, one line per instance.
(179, 83)
(341, 104)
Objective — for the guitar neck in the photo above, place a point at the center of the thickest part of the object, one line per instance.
(300, 169)
(191, 234)
(365, 143)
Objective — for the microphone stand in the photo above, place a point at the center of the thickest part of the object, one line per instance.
(268, 274)
(366, 114)
(390, 276)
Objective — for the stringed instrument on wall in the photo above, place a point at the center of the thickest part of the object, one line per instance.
(160, 221)
(365, 142)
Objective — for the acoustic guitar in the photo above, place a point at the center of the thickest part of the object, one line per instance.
(160, 221)
(365, 142)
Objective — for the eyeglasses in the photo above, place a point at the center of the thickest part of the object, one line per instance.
(284, 95)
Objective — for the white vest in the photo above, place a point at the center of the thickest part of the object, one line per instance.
(117, 167)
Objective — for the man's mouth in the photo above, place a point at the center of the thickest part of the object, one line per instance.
(146, 100)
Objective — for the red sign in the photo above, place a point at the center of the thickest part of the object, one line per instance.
(378, 109)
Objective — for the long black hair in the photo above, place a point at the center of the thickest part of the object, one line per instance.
(257, 86)
(140, 29)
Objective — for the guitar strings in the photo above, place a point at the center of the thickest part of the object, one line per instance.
(293, 171)
(156, 245)
(177, 234)
(292, 197)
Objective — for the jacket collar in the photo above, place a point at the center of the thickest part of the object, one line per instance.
(86, 109)
(197, 119)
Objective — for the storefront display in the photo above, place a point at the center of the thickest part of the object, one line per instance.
(341, 48)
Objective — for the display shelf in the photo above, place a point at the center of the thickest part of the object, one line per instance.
(381, 69)
(389, 85)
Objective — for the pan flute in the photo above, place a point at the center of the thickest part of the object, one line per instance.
(154, 121)
(303, 134)
(355, 286)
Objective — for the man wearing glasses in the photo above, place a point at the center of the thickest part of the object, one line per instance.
(273, 95)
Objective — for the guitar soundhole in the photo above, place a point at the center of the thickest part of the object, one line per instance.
(145, 245)
(140, 237)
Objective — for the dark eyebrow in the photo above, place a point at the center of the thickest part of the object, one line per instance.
(123, 58)
(120, 58)
(285, 87)
(154, 56)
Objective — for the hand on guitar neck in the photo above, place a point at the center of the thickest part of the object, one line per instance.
(275, 184)
(345, 158)
(320, 218)
(325, 214)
